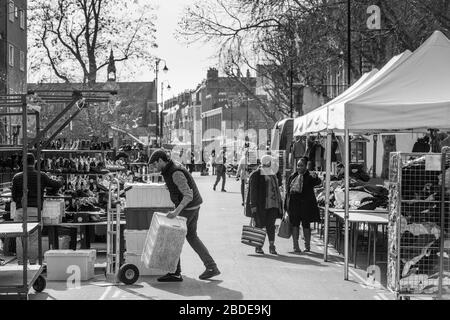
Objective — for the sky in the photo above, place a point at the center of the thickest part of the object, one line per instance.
(187, 65)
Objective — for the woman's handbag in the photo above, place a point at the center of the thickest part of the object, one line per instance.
(285, 229)
(253, 236)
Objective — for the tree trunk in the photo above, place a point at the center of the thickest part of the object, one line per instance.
(389, 145)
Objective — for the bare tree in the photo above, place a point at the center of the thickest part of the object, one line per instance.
(72, 39)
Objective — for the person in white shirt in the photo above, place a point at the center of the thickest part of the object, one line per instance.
(221, 170)
(242, 173)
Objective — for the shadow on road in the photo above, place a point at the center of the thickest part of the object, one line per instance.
(299, 259)
(194, 288)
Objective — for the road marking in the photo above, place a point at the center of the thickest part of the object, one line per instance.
(382, 296)
(105, 293)
(116, 294)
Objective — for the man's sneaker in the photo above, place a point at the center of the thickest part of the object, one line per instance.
(171, 277)
(214, 188)
(209, 273)
(223, 190)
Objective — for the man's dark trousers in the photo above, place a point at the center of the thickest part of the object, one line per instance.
(194, 241)
(221, 173)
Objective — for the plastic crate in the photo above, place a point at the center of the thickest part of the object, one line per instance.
(61, 264)
(53, 211)
(140, 218)
(147, 195)
(164, 242)
(135, 259)
(135, 240)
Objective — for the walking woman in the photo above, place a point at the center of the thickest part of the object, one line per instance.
(301, 203)
(264, 200)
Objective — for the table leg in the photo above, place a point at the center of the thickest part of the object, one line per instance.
(368, 244)
(375, 231)
(355, 242)
(338, 235)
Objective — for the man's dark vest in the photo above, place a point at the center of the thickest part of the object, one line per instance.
(175, 195)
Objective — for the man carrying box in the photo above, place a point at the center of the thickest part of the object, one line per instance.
(186, 197)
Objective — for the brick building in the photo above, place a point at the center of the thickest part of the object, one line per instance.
(13, 56)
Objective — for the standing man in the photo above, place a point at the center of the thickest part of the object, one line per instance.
(221, 169)
(32, 208)
(186, 197)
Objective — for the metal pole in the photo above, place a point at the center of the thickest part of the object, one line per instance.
(291, 85)
(327, 196)
(347, 173)
(160, 114)
(25, 193)
(156, 98)
(247, 115)
(374, 164)
(39, 204)
(441, 249)
(349, 42)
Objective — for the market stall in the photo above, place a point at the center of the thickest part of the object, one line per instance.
(411, 95)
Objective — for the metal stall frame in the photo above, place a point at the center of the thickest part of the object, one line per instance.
(444, 159)
(31, 276)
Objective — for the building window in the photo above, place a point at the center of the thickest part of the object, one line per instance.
(22, 60)
(11, 11)
(22, 19)
(11, 55)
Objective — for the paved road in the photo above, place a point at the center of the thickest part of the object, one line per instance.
(245, 275)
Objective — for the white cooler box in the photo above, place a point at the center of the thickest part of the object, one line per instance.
(53, 211)
(135, 240)
(148, 195)
(135, 259)
(164, 242)
(59, 261)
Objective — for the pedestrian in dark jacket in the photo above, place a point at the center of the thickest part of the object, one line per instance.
(301, 203)
(264, 201)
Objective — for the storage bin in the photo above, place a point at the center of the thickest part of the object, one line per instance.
(164, 241)
(147, 195)
(135, 259)
(140, 218)
(59, 261)
(53, 211)
(135, 240)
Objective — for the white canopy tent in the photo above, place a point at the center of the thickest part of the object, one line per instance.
(331, 116)
(409, 93)
(415, 96)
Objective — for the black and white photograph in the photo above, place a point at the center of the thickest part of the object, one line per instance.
(219, 158)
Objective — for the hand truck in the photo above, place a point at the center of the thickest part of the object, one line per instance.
(127, 273)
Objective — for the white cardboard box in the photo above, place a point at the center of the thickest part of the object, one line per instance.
(62, 264)
(164, 242)
(148, 195)
(143, 270)
(135, 240)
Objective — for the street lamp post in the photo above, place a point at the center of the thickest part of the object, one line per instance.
(349, 42)
(165, 69)
(161, 133)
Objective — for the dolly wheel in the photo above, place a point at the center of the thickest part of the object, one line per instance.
(40, 284)
(128, 274)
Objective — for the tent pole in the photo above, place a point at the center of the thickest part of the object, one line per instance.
(327, 195)
(347, 173)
